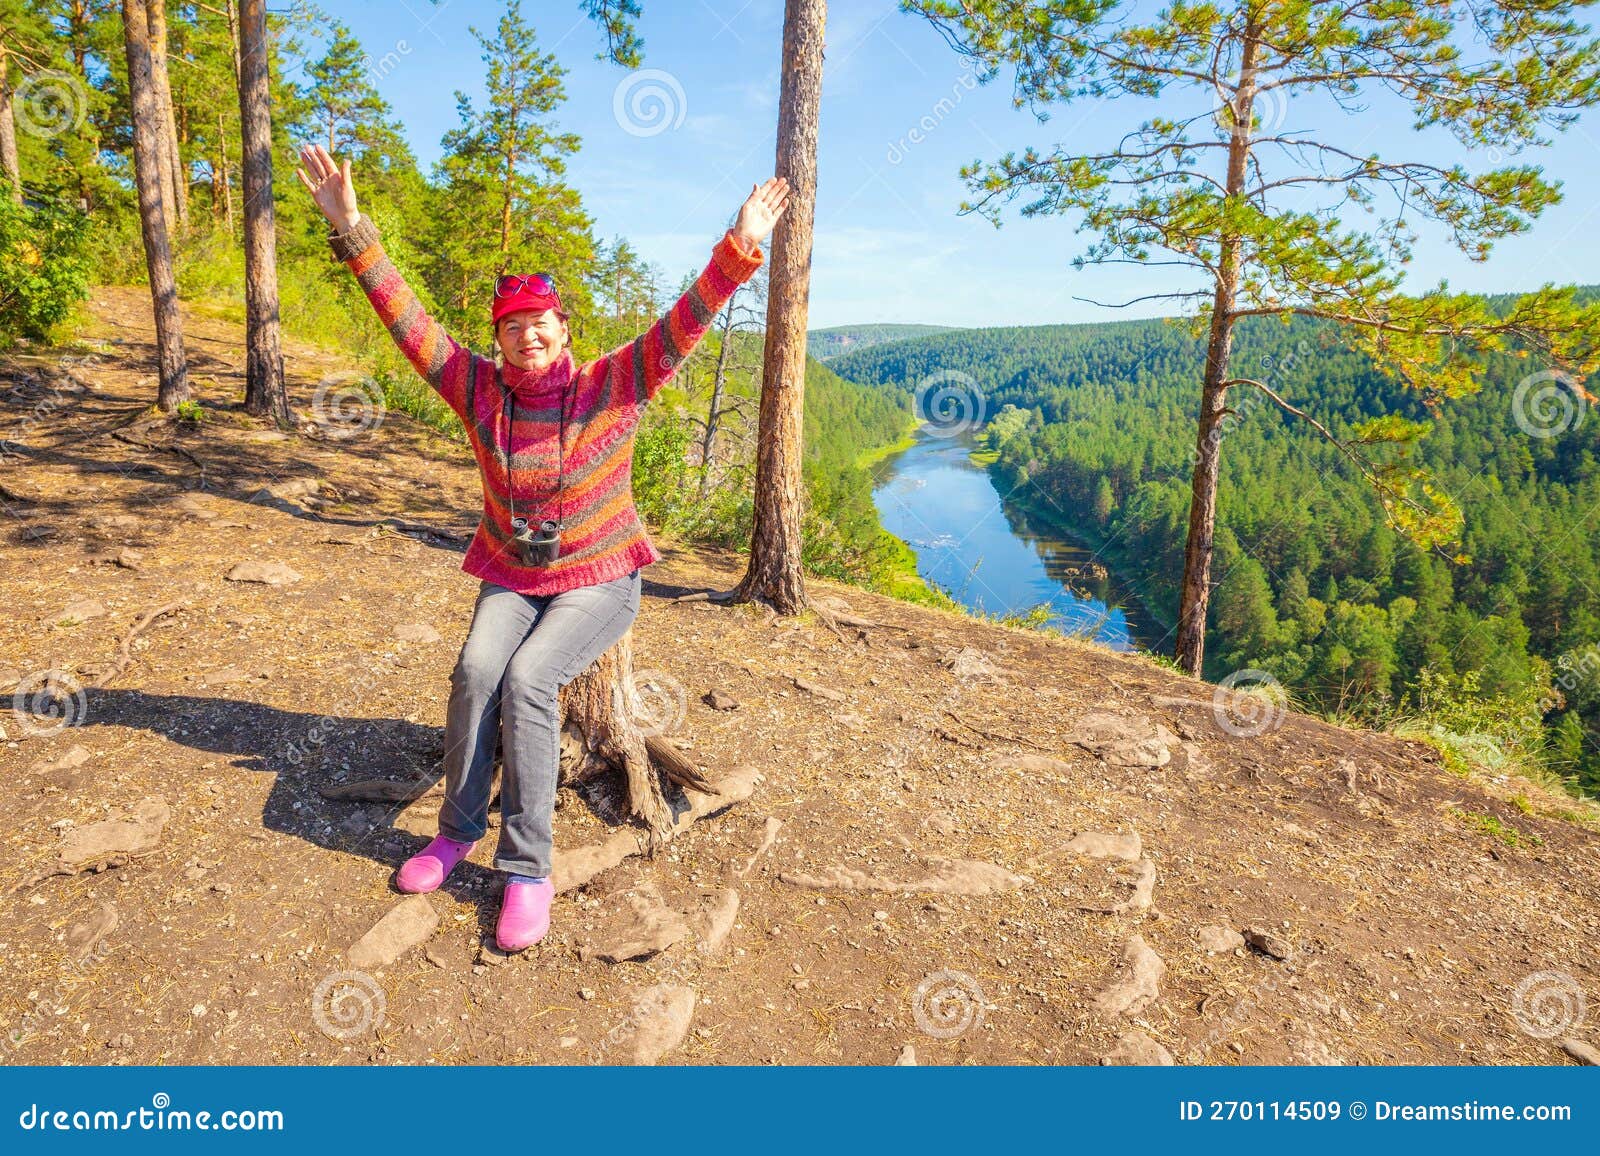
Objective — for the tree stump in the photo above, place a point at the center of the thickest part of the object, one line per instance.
(613, 721)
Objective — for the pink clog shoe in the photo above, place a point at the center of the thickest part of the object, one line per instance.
(427, 869)
(524, 914)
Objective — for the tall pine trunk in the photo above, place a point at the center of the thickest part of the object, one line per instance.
(222, 204)
(505, 208)
(264, 390)
(1195, 595)
(78, 21)
(147, 149)
(233, 35)
(231, 13)
(9, 166)
(79, 18)
(774, 572)
(172, 169)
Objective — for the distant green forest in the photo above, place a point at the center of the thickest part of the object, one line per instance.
(825, 343)
(1094, 426)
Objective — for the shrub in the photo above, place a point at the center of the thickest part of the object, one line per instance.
(44, 269)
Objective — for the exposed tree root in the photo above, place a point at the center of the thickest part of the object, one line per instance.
(382, 790)
(126, 439)
(422, 528)
(995, 736)
(576, 867)
(829, 616)
(676, 765)
(125, 652)
(704, 596)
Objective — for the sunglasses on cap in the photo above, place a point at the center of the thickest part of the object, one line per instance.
(543, 284)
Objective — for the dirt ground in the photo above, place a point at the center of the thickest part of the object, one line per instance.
(1421, 917)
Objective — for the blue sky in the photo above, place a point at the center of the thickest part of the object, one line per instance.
(890, 245)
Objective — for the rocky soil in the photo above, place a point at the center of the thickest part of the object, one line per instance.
(938, 841)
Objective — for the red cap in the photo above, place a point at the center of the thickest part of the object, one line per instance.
(536, 291)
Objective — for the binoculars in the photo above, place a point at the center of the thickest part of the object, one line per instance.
(538, 547)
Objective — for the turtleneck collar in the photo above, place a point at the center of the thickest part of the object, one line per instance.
(550, 380)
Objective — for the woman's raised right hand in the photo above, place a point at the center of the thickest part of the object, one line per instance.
(330, 186)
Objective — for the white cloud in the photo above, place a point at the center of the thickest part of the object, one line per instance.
(712, 124)
(755, 96)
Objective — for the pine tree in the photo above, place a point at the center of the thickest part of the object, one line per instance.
(341, 103)
(742, 315)
(503, 203)
(211, 127)
(616, 19)
(39, 153)
(1226, 188)
(21, 40)
(172, 364)
(1105, 500)
(265, 394)
(775, 574)
(174, 172)
(625, 286)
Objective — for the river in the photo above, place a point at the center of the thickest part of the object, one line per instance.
(985, 553)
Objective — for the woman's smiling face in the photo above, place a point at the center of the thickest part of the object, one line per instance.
(531, 339)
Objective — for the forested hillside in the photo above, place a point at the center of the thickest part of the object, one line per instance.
(825, 343)
(1095, 426)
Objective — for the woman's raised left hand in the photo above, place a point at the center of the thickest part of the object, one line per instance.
(761, 210)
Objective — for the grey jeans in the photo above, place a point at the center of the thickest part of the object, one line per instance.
(520, 651)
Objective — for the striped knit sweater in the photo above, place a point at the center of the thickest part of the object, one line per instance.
(604, 538)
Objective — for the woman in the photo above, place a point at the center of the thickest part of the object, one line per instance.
(560, 546)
